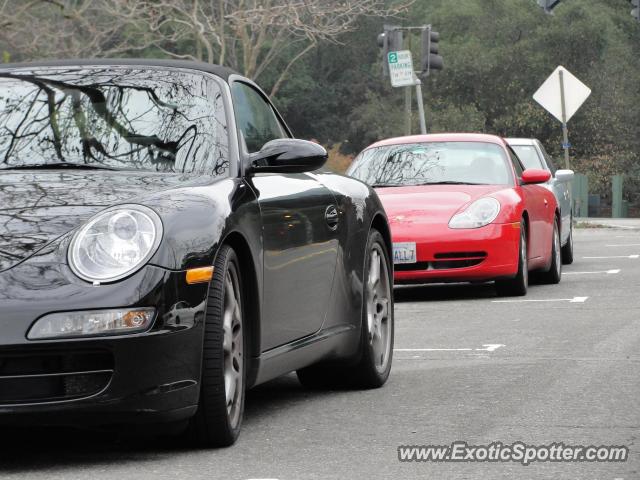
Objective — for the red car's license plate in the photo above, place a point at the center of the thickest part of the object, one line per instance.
(404, 252)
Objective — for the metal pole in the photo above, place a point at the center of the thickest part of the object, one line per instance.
(565, 130)
(616, 199)
(407, 111)
(423, 124)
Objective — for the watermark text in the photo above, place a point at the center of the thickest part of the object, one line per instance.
(517, 452)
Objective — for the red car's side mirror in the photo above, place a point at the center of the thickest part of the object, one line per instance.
(535, 175)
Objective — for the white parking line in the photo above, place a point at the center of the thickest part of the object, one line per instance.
(623, 245)
(570, 300)
(622, 227)
(614, 256)
(433, 349)
(489, 347)
(608, 272)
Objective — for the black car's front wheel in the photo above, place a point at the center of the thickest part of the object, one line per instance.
(376, 340)
(219, 416)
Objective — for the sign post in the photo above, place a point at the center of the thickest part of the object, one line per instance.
(423, 123)
(407, 111)
(565, 130)
(562, 94)
(402, 75)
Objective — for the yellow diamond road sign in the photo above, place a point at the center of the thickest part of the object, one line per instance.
(549, 95)
(401, 68)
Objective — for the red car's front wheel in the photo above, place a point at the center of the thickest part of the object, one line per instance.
(517, 286)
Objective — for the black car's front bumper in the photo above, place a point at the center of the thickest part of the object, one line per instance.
(146, 377)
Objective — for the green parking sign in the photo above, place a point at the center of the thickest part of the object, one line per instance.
(401, 68)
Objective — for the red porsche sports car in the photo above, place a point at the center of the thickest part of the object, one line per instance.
(462, 208)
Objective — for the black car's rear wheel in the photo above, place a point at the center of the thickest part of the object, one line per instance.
(219, 417)
(517, 286)
(376, 342)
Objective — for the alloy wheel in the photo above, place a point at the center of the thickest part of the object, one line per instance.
(233, 346)
(557, 248)
(525, 259)
(378, 303)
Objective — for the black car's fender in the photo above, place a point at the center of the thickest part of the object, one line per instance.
(225, 212)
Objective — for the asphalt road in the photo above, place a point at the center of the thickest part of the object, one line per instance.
(567, 372)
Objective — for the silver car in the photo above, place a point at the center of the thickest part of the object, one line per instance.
(533, 155)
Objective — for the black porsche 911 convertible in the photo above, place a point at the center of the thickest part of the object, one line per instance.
(165, 244)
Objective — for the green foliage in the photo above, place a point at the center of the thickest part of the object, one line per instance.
(497, 53)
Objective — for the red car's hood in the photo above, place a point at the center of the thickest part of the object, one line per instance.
(430, 204)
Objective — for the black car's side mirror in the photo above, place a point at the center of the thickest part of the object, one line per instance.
(288, 155)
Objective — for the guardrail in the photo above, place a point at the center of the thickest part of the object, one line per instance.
(613, 203)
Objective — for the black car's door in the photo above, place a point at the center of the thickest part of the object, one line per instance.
(299, 235)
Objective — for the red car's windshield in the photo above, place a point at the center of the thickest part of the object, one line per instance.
(433, 163)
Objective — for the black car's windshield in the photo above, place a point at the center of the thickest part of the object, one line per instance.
(430, 163)
(528, 155)
(121, 118)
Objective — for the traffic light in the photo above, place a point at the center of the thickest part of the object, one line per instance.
(391, 40)
(383, 43)
(430, 58)
(635, 13)
(548, 5)
(395, 40)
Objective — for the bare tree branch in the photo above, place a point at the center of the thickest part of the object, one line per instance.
(251, 36)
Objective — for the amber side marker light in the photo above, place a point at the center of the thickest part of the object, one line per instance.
(199, 275)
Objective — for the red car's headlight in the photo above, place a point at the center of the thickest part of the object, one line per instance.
(480, 213)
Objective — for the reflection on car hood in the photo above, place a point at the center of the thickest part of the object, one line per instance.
(430, 204)
(37, 207)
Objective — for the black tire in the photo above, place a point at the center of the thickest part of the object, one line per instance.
(216, 424)
(367, 372)
(517, 286)
(554, 274)
(567, 249)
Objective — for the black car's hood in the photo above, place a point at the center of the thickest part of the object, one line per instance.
(37, 207)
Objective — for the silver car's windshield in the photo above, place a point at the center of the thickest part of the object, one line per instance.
(433, 163)
(528, 155)
(122, 118)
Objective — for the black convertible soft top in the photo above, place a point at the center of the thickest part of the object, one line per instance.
(222, 72)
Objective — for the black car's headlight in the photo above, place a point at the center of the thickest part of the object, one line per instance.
(115, 243)
(91, 323)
